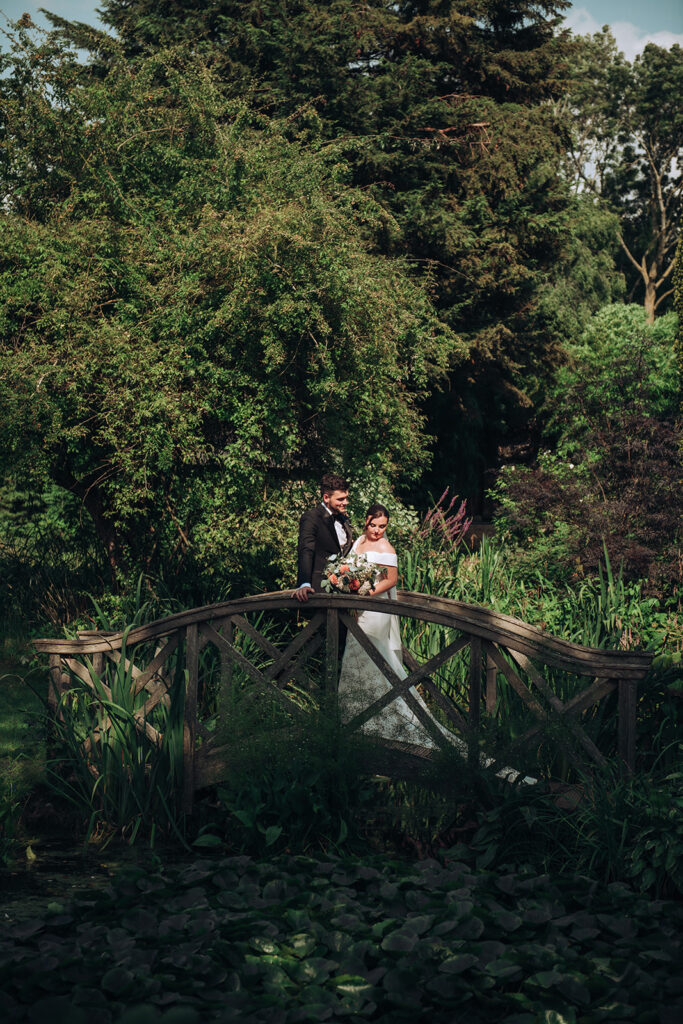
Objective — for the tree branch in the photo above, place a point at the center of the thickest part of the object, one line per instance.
(641, 270)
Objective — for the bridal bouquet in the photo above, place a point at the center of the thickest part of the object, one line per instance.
(351, 574)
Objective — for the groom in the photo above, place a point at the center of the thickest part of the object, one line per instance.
(324, 531)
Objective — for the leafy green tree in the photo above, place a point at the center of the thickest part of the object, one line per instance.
(613, 474)
(189, 316)
(627, 147)
(678, 304)
(440, 110)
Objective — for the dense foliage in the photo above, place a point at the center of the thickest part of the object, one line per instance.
(441, 112)
(627, 143)
(301, 938)
(613, 475)
(189, 313)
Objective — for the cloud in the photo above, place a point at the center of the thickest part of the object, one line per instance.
(630, 39)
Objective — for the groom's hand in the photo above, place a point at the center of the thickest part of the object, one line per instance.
(302, 593)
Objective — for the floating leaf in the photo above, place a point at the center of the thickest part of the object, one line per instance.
(117, 981)
(399, 942)
(458, 964)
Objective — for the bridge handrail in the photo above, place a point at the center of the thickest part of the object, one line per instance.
(475, 620)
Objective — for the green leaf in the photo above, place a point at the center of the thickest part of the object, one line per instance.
(399, 942)
(208, 840)
(272, 834)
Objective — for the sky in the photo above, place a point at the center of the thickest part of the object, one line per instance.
(633, 22)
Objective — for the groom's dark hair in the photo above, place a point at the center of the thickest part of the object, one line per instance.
(333, 482)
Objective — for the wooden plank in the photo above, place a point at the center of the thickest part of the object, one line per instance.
(514, 680)
(59, 682)
(591, 695)
(628, 701)
(225, 628)
(332, 651)
(433, 690)
(475, 700)
(493, 626)
(190, 714)
(559, 708)
(142, 677)
(265, 686)
(82, 673)
(383, 757)
(491, 691)
(282, 660)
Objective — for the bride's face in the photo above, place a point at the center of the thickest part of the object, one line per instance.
(376, 528)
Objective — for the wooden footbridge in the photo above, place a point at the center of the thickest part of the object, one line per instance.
(463, 659)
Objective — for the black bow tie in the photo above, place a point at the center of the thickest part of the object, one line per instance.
(339, 517)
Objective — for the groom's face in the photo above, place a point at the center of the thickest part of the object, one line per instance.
(337, 501)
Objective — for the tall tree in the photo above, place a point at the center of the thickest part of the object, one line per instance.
(440, 110)
(627, 148)
(188, 311)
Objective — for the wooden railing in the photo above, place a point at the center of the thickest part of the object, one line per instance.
(498, 646)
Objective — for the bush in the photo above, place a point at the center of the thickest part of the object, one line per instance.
(614, 476)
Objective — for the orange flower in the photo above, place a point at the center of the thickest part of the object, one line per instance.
(343, 569)
(354, 585)
(334, 580)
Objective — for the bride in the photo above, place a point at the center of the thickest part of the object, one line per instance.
(360, 681)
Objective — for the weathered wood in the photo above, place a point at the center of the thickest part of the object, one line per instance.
(265, 685)
(559, 708)
(391, 758)
(514, 680)
(143, 677)
(628, 700)
(332, 651)
(139, 717)
(491, 691)
(486, 630)
(283, 661)
(493, 626)
(475, 700)
(451, 712)
(599, 689)
(190, 714)
(59, 682)
(224, 627)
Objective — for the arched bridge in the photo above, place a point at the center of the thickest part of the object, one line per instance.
(469, 663)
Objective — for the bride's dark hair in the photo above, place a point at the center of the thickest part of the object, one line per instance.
(376, 510)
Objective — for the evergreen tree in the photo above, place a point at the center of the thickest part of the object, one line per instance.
(189, 313)
(439, 108)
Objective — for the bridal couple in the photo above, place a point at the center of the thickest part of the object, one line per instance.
(324, 533)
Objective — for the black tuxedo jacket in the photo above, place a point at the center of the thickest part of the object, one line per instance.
(317, 541)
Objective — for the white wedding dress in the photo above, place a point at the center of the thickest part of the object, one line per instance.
(361, 682)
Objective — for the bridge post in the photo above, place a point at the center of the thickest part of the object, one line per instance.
(475, 700)
(491, 690)
(190, 714)
(627, 722)
(332, 652)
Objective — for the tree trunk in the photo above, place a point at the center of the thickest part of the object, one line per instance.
(650, 300)
(104, 527)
